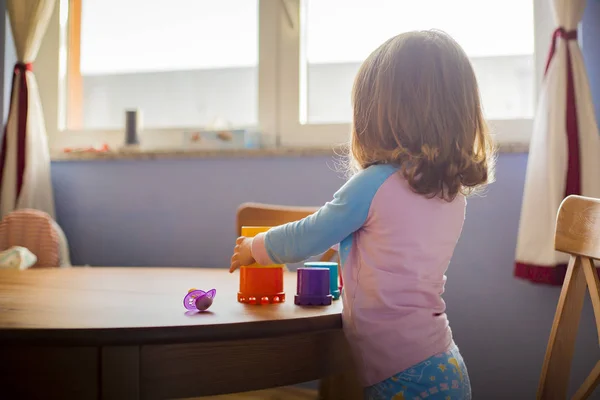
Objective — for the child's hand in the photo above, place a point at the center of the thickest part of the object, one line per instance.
(242, 253)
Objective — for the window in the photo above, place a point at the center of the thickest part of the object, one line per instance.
(191, 64)
(502, 58)
(285, 66)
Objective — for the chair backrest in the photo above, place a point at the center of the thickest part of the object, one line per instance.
(36, 231)
(258, 214)
(578, 227)
(578, 234)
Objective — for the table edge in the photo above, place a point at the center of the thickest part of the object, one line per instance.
(169, 334)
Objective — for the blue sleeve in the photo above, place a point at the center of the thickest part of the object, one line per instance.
(339, 218)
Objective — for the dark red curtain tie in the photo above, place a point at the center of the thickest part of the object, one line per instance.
(22, 108)
(563, 33)
(559, 33)
(22, 67)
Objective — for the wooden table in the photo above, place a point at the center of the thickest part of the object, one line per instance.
(123, 333)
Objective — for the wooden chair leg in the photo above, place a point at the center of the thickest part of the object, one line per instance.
(593, 283)
(590, 383)
(591, 277)
(341, 387)
(554, 380)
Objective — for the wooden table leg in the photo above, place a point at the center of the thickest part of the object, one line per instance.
(120, 373)
(48, 372)
(341, 387)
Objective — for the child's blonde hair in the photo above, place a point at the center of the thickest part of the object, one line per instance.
(416, 105)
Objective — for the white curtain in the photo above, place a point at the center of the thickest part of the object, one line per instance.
(564, 154)
(24, 157)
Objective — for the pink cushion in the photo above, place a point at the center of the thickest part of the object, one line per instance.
(34, 230)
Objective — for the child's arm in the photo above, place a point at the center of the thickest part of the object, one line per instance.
(345, 214)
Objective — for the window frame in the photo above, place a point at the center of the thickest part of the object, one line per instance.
(280, 80)
(292, 78)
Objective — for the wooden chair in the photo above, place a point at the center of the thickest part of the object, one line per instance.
(339, 387)
(578, 234)
(258, 214)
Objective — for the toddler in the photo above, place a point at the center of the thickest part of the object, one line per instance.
(419, 146)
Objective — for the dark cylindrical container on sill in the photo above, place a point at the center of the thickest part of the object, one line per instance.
(133, 124)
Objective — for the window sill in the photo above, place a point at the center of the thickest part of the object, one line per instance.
(279, 152)
(157, 154)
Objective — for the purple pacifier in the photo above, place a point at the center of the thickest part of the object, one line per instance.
(199, 299)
